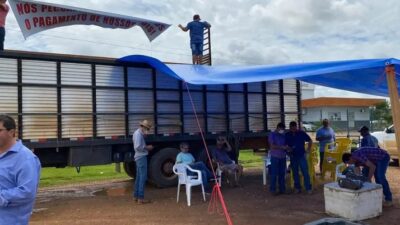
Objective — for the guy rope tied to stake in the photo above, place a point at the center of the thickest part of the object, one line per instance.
(216, 192)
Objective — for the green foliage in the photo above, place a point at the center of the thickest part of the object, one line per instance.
(62, 176)
(381, 115)
(248, 159)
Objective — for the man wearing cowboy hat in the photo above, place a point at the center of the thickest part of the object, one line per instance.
(141, 152)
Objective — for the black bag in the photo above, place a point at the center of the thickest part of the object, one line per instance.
(350, 183)
(350, 173)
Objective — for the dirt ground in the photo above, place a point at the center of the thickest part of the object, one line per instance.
(111, 203)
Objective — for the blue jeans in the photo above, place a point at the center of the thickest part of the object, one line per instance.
(380, 176)
(321, 160)
(205, 173)
(295, 163)
(197, 48)
(141, 177)
(2, 35)
(277, 172)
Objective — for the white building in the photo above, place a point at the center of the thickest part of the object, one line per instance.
(344, 113)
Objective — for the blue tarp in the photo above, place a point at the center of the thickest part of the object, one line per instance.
(364, 76)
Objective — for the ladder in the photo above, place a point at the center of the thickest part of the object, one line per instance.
(206, 58)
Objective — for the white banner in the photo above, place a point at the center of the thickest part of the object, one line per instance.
(34, 17)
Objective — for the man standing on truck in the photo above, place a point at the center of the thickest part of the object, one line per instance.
(4, 8)
(196, 28)
(141, 152)
(368, 140)
(19, 176)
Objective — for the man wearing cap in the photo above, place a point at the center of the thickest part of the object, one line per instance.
(196, 28)
(368, 140)
(141, 152)
(375, 162)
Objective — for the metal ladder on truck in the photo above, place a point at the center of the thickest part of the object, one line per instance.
(206, 59)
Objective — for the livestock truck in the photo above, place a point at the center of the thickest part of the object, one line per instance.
(79, 110)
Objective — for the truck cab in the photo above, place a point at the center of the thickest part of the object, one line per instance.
(387, 141)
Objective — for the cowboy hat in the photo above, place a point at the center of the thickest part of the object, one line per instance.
(146, 124)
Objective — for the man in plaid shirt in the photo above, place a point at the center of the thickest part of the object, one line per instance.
(375, 162)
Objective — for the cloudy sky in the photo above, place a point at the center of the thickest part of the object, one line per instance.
(244, 32)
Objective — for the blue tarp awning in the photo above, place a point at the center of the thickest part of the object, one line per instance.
(364, 76)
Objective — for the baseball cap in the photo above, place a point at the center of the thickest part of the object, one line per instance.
(363, 128)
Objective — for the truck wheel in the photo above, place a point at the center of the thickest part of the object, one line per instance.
(130, 169)
(160, 168)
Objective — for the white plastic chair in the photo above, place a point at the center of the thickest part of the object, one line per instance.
(339, 169)
(267, 162)
(189, 181)
(218, 173)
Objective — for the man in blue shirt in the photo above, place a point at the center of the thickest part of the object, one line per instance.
(368, 140)
(296, 140)
(325, 135)
(19, 176)
(196, 28)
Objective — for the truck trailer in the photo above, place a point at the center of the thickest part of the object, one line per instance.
(80, 110)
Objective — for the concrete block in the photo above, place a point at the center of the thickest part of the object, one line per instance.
(353, 205)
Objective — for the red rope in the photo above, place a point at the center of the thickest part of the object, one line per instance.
(216, 193)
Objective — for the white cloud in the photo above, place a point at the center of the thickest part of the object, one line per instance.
(244, 32)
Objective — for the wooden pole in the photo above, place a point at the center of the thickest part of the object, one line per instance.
(394, 101)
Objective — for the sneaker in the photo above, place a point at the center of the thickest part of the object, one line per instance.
(135, 199)
(297, 191)
(143, 201)
(309, 192)
(387, 204)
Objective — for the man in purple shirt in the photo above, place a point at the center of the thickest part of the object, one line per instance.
(228, 165)
(277, 151)
(375, 162)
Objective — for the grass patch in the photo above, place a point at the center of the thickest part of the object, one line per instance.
(248, 159)
(62, 176)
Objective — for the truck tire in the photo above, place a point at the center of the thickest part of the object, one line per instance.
(130, 168)
(160, 168)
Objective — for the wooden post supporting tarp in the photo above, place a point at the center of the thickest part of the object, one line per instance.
(394, 101)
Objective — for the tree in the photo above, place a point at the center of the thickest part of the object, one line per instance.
(381, 115)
